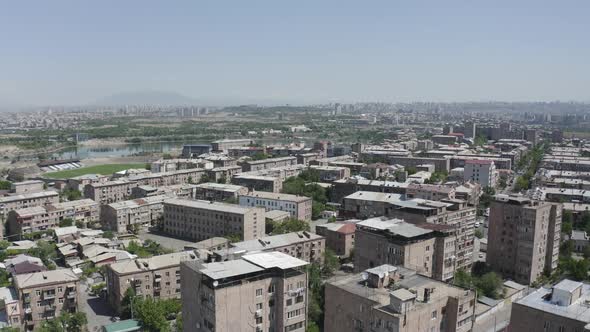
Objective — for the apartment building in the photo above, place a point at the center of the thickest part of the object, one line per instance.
(481, 171)
(183, 190)
(393, 241)
(453, 217)
(40, 218)
(226, 144)
(26, 187)
(331, 173)
(120, 216)
(257, 165)
(45, 295)
(22, 201)
(306, 158)
(271, 184)
(390, 298)
(110, 191)
(79, 182)
(168, 165)
(563, 307)
(222, 174)
(200, 220)
(298, 206)
(339, 236)
(181, 176)
(10, 309)
(523, 237)
(345, 187)
(246, 151)
(431, 192)
(304, 245)
(219, 192)
(259, 292)
(499, 162)
(158, 276)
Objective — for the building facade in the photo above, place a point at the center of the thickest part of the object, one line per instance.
(259, 292)
(523, 237)
(300, 207)
(201, 220)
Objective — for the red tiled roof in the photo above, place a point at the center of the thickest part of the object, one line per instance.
(347, 228)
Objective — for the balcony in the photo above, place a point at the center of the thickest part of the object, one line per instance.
(48, 296)
(71, 295)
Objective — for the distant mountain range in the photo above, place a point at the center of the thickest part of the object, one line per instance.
(161, 98)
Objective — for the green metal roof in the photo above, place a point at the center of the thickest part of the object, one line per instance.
(128, 325)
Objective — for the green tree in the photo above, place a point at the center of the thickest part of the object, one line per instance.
(463, 279)
(5, 185)
(411, 170)
(126, 302)
(566, 228)
(490, 284)
(66, 222)
(331, 263)
(108, 234)
(66, 322)
(289, 226)
(151, 315)
(478, 233)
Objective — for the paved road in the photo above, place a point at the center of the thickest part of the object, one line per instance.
(97, 310)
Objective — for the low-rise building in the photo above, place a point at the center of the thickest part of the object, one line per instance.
(387, 298)
(45, 295)
(157, 277)
(339, 237)
(259, 292)
(191, 150)
(226, 144)
(200, 220)
(564, 307)
(219, 192)
(10, 309)
(300, 207)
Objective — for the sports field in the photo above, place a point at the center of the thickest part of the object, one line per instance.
(105, 169)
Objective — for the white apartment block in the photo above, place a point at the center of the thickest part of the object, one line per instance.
(298, 206)
(481, 171)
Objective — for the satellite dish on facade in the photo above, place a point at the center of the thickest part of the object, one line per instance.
(364, 276)
(215, 283)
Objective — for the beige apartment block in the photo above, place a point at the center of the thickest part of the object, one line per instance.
(109, 192)
(523, 237)
(45, 295)
(120, 216)
(561, 308)
(387, 298)
(158, 276)
(300, 207)
(259, 292)
(79, 182)
(40, 218)
(199, 220)
(226, 144)
(22, 201)
(304, 245)
(219, 192)
(170, 178)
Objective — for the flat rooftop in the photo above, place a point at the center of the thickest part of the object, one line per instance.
(394, 226)
(276, 196)
(206, 205)
(578, 310)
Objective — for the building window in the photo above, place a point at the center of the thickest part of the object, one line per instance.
(434, 314)
(259, 292)
(258, 306)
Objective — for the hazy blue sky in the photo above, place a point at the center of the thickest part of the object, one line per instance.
(67, 52)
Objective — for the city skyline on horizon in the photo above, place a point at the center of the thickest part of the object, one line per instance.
(77, 54)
